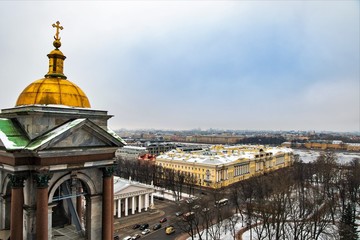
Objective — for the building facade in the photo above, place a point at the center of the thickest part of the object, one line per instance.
(220, 166)
(131, 197)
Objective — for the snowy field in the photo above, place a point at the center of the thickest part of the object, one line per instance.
(311, 155)
(247, 235)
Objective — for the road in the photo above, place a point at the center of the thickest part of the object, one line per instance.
(168, 210)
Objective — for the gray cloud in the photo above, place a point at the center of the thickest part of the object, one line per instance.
(240, 65)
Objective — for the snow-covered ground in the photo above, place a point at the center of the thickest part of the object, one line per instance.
(311, 155)
(168, 194)
(250, 234)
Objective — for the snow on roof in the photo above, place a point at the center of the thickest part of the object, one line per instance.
(11, 136)
(134, 148)
(114, 134)
(121, 183)
(219, 154)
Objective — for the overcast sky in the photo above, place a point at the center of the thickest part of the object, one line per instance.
(255, 65)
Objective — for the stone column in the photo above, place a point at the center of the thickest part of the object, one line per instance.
(115, 207)
(146, 201)
(133, 205)
(17, 202)
(119, 208)
(93, 217)
(139, 203)
(2, 205)
(112, 205)
(108, 204)
(50, 211)
(79, 205)
(126, 206)
(152, 199)
(42, 228)
(2, 212)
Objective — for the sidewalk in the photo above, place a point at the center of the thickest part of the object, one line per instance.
(183, 236)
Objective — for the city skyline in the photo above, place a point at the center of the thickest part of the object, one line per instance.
(263, 65)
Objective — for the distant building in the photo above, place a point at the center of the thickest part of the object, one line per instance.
(130, 152)
(159, 148)
(147, 158)
(220, 166)
(214, 139)
(325, 145)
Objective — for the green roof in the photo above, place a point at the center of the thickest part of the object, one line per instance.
(11, 135)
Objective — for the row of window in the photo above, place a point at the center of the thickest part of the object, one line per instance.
(280, 160)
(241, 170)
(181, 166)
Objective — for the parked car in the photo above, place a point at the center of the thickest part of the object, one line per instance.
(136, 226)
(196, 207)
(169, 230)
(157, 226)
(188, 216)
(205, 209)
(136, 236)
(116, 237)
(178, 214)
(144, 226)
(127, 238)
(163, 220)
(146, 231)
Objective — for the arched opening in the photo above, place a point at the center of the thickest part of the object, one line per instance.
(5, 203)
(68, 200)
(67, 196)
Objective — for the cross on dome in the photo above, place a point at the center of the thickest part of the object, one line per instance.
(57, 26)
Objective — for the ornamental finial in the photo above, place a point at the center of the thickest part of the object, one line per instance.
(57, 26)
(57, 42)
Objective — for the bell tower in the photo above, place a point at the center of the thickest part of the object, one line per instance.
(56, 160)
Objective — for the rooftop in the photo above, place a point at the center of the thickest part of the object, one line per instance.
(219, 154)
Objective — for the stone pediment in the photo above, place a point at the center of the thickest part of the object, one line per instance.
(126, 188)
(131, 189)
(81, 138)
(75, 133)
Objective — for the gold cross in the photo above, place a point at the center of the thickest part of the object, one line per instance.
(57, 26)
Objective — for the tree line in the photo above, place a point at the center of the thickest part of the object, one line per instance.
(316, 200)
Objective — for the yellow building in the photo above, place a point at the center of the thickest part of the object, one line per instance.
(219, 166)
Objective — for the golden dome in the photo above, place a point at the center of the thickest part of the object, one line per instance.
(54, 88)
(53, 91)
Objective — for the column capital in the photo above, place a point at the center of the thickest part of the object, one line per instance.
(108, 171)
(42, 179)
(17, 180)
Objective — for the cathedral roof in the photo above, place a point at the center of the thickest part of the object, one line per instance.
(13, 138)
(54, 88)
